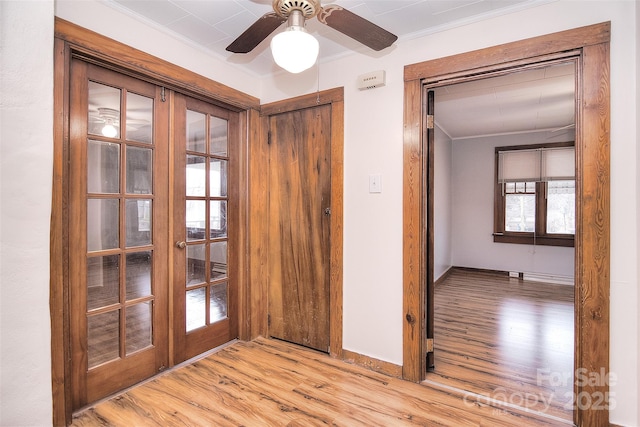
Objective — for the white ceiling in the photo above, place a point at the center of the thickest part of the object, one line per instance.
(535, 100)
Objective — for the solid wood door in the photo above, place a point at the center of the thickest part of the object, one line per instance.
(299, 220)
(205, 227)
(117, 231)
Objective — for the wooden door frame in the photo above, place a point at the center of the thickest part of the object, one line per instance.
(589, 46)
(74, 41)
(259, 211)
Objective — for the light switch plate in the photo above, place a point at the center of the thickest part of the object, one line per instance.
(375, 183)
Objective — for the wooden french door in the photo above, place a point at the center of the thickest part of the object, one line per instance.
(117, 231)
(299, 226)
(205, 226)
(147, 256)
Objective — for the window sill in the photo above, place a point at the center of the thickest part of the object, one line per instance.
(528, 239)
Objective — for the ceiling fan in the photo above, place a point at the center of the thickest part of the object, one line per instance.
(296, 12)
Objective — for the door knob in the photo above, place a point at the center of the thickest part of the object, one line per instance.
(181, 245)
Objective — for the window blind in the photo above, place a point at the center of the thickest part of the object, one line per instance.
(558, 164)
(540, 164)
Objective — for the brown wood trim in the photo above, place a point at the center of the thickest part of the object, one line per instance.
(507, 53)
(375, 365)
(336, 222)
(528, 239)
(254, 322)
(258, 225)
(593, 226)
(413, 332)
(149, 67)
(328, 96)
(591, 48)
(59, 297)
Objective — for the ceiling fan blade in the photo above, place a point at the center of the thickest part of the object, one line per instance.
(257, 32)
(356, 27)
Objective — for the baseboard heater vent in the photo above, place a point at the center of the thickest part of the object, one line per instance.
(549, 278)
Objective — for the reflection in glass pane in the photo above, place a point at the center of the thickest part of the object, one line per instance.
(139, 170)
(218, 258)
(195, 216)
(138, 275)
(218, 218)
(196, 176)
(104, 110)
(219, 136)
(195, 265)
(196, 305)
(196, 131)
(218, 302)
(103, 167)
(139, 118)
(103, 338)
(561, 207)
(138, 327)
(102, 224)
(520, 212)
(218, 178)
(103, 281)
(139, 214)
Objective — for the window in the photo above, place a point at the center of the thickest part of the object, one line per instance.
(535, 195)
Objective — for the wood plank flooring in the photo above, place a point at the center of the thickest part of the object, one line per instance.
(273, 383)
(506, 339)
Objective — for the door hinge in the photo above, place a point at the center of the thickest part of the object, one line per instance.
(268, 319)
(430, 121)
(429, 345)
(269, 137)
(162, 95)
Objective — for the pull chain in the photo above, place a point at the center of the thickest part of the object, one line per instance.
(318, 79)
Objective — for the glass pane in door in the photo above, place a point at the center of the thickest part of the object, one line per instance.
(138, 327)
(103, 224)
(219, 136)
(139, 170)
(138, 268)
(138, 229)
(196, 314)
(103, 281)
(103, 167)
(103, 332)
(139, 118)
(196, 132)
(195, 265)
(218, 178)
(104, 110)
(218, 302)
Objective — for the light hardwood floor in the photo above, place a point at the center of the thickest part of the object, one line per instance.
(272, 383)
(506, 339)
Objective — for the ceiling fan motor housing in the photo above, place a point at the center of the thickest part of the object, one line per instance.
(309, 8)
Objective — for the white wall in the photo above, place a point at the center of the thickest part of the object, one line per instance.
(636, 39)
(373, 142)
(442, 200)
(105, 20)
(473, 185)
(26, 162)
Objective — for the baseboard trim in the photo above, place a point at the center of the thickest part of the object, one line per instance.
(375, 365)
(443, 276)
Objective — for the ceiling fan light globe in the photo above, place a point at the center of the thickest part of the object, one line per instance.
(294, 49)
(109, 131)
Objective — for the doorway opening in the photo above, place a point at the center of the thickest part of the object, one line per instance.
(589, 46)
(503, 322)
